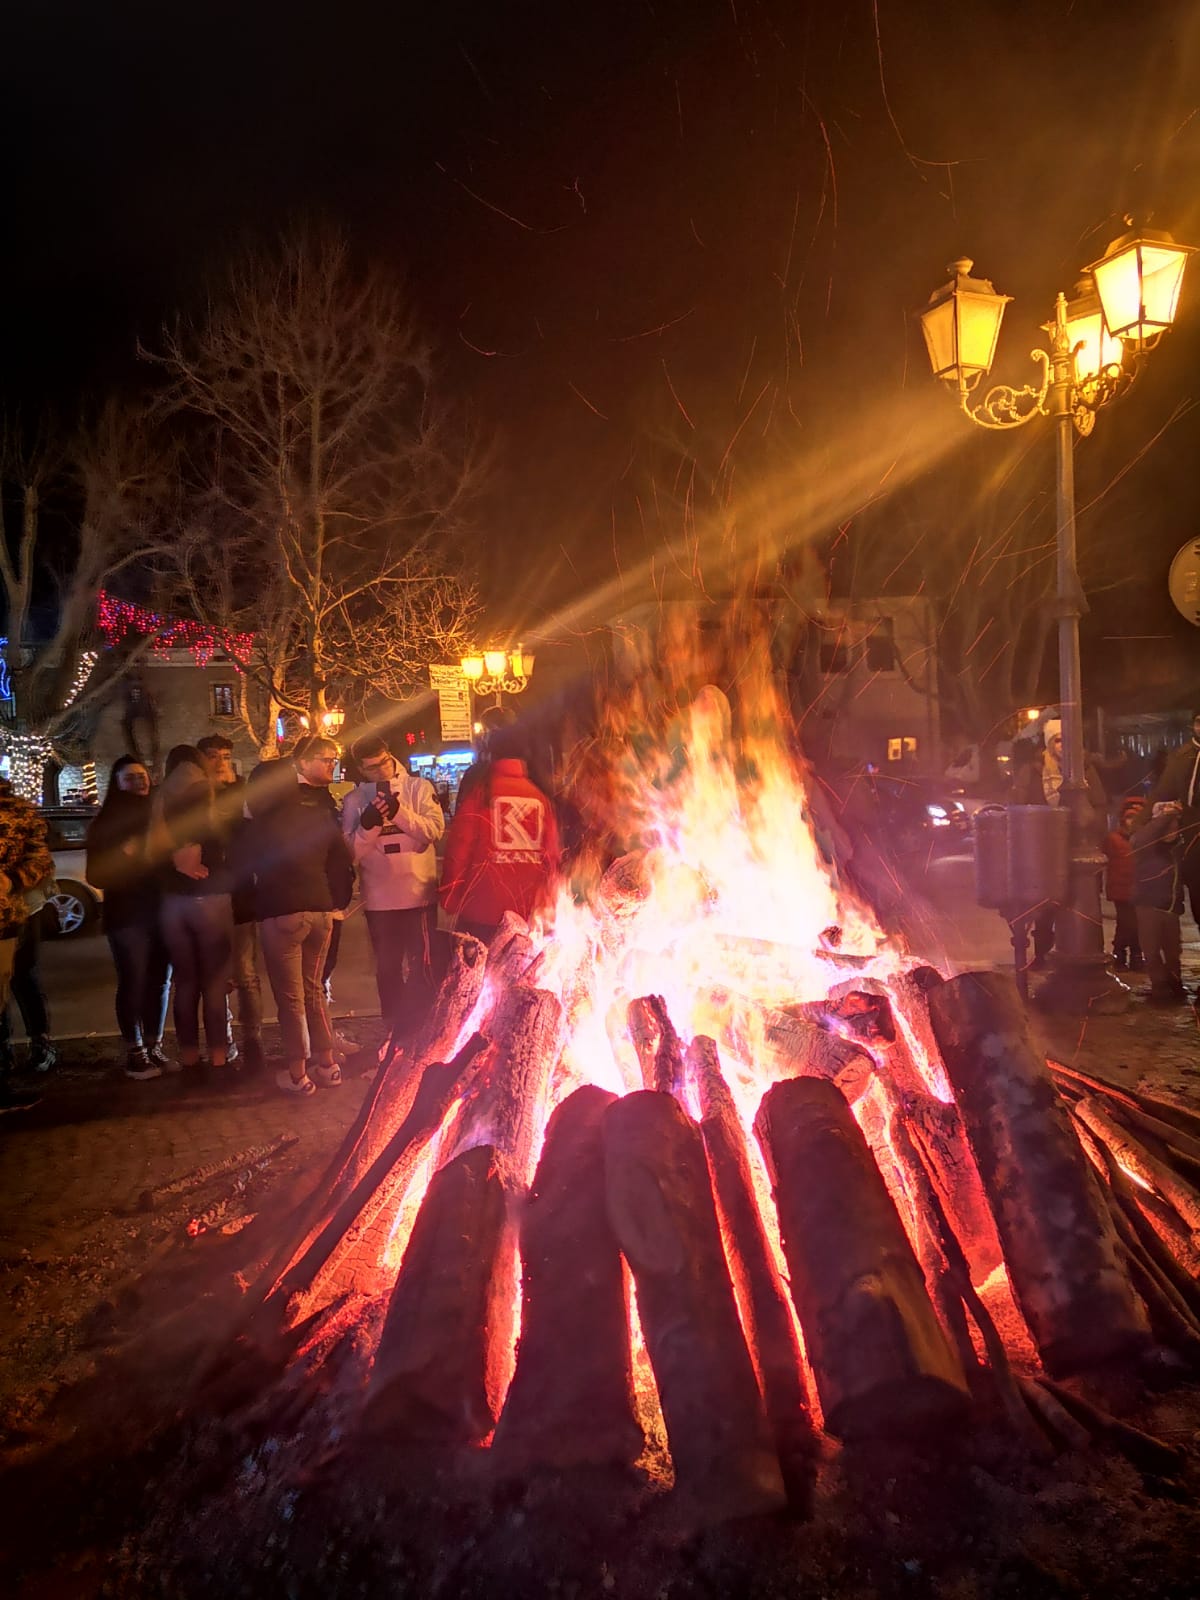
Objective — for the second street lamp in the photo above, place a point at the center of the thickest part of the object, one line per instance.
(1094, 342)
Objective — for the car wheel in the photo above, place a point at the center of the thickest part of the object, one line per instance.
(74, 910)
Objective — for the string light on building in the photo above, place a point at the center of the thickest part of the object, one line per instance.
(119, 619)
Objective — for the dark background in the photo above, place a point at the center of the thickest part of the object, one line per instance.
(773, 185)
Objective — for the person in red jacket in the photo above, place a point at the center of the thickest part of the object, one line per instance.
(502, 849)
(1119, 886)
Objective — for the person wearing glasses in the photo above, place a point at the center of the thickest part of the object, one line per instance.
(315, 761)
(393, 822)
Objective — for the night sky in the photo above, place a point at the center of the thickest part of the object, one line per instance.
(621, 221)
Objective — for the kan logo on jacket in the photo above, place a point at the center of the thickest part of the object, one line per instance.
(517, 827)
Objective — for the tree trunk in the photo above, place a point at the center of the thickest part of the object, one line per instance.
(883, 1364)
(762, 1301)
(662, 1211)
(436, 1378)
(571, 1401)
(1059, 1243)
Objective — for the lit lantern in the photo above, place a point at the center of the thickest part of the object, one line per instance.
(522, 663)
(496, 662)
(1095, 348)
(472, 668)
(961, 325)
(1138, 280)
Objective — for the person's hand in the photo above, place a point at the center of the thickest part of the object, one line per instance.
(381, 806)
(187, 862)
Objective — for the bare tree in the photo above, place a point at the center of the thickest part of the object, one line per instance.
(331, 484)
(108, 487)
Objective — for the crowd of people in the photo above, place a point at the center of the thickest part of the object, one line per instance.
(207, 878)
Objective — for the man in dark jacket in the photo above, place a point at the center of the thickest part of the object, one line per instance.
(1180, 781)
(1158, 895)
(299, 865)
(315, 761)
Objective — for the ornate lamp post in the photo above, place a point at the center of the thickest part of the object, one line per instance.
(499, 672)
(1121, 309)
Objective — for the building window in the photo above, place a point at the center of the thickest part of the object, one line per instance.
(898, 749)
(881, 647)
(836, 658)
(222, 694)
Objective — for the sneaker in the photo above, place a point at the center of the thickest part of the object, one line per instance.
(343, 1045)
(159, 1057)
(42, 1055)
(328, 1077)
(297, 1086)
(139, 1066)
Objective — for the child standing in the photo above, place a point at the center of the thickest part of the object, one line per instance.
(1158, 895)
(1119, 887)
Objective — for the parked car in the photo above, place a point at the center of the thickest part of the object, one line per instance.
(76, 903)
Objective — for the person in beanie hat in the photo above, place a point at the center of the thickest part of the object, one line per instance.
(1180, 781)
(1119, 886)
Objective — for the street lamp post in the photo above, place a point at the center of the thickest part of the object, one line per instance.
(499, 672)
(1120, 310)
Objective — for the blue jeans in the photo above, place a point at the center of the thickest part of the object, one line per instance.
(198, 929)
(143, 982)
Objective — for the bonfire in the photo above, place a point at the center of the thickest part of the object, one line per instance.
(706, 1165)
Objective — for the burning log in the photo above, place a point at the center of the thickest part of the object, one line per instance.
(955, 1176)
(661, 1206)
(766, 1319)
(524, 1031)
(1155, 1174)
(436, 1379)
(798, 1047)
(510, 952)
(440, 1085)
(1162, 1110)
(659, 1050)
(435, 1039)
(1059, 1242)
(571, 1400)
(882, 1362)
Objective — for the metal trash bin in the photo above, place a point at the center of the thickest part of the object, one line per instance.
(1022, 858)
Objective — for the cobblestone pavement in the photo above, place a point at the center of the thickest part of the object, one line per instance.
(82, 1181)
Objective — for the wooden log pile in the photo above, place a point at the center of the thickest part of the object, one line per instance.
(1085, 1195)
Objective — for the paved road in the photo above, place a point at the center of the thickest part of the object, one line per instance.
(79, 981)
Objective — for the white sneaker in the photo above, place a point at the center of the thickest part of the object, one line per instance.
(343, 1045)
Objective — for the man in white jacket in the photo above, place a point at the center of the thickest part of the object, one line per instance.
(392, 822)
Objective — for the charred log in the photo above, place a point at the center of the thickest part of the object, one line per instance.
(1059, 1242)
(510, 1107)
(661, 1206)
(882, 1362)
(440, 1084)
(571, 1400)
(658, 1046)
(436, 1378)
(761, 1297)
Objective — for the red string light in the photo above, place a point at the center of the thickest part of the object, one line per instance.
(117, 619)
